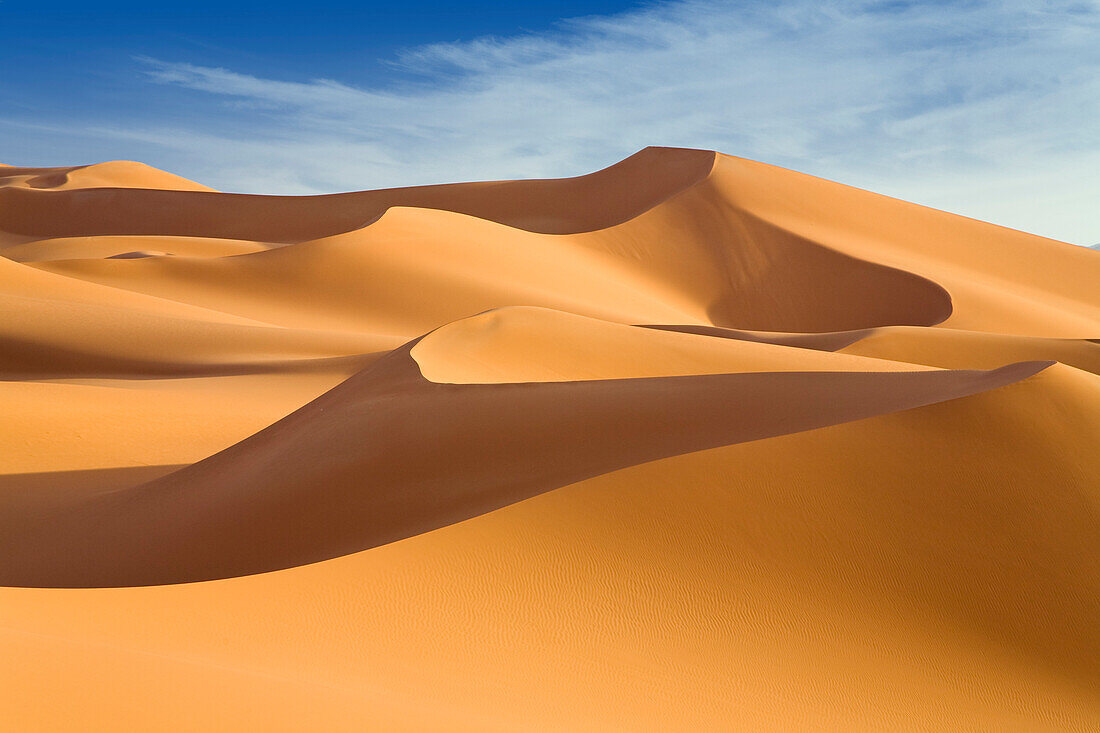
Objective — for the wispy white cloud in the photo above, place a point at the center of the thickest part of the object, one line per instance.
(989, 108)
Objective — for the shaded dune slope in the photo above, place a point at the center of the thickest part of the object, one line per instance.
(946, 348)
(685, 441)
(322, 280)
(253, 507)
(558, 206)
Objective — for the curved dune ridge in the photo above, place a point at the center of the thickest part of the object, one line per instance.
(689, 443)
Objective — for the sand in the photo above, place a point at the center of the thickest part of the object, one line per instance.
(690, 443)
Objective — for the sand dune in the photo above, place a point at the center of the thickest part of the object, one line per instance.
(689, 443)
(113, 174)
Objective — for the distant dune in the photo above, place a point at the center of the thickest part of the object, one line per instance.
(689, 443)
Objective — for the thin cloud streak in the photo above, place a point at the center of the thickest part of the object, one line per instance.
(989, 109)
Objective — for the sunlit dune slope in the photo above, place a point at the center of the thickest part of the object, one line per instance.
(689, 443)
(113, 174)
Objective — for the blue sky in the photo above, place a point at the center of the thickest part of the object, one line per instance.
(989, 109)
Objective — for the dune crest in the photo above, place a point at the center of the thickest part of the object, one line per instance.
(688, 443)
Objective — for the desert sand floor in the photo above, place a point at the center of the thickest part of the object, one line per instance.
(689, 443)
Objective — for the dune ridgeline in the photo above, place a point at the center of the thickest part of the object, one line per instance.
(689, 443)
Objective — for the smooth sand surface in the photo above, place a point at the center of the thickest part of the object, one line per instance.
(690, 443)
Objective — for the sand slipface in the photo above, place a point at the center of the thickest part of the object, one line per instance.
(690, 443)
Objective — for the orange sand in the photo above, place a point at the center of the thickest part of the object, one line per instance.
(690, 443)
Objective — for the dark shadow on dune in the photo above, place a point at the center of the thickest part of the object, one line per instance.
(25, 360)
(388, 454)
(817, 341)
(780, 281)
(138, 255)
(41, 177)
(33, 491)
(550, 206)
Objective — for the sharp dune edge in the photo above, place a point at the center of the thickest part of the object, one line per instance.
(689, 443)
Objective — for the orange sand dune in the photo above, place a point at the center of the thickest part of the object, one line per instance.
(690, 443)
(113, 174)
(123, 247)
